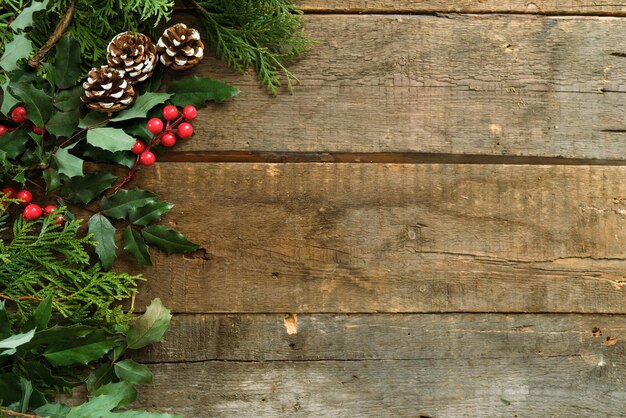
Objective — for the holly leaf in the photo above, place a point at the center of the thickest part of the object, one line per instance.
(134, 244)
(52, 179)
(168, 240)
(67, 61)
(68, 100)
(37, 103)
(197, 91)
(63, 124)
(120, 204)
(25, 18)
(20, 47)
(13, 143)
(110, 139)
(67, 163)
(150, 327)
(149, 213)
(86, 188)
(53, 410)
(131, 371)
(80, 350)
(9, 389)
(104, 233)
(14, 341)
(8, 100)
(92, 119)
(142, 106)
(125, 158)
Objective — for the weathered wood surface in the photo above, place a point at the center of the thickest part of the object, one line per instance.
(489, 85)
(567, 386)
(585, 7)
(392, 238)
(288, 337)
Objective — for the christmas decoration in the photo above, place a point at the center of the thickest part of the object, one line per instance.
(133, 53)
(180, 47)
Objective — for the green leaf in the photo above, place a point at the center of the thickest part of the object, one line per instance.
(38, 104)
(5, 324)
(93, 119)
(52, 179)
(107, 398)
(41, 316)
(63, 124)
(27, 391)
(123, 390)
(120, 204)
(67, 61)
(104, 233)
(104, 374)
(149, 213)
(168, 240)
(196, 91)
(133, 372)
(53, 410)
(9, 389)
(25, 18)
(142, 106)
(36, 371)
(79, 351)
(125, 158)
(153, 83)
(14, 143)
(68, 100)
(86, 188)
(150, 327)
(20, 47)
(110, 139)
(68, 164)
(59, 334)
(134, 244)
(8, 100)
(14, 341)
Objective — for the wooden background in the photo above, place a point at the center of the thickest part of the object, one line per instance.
(434, 225)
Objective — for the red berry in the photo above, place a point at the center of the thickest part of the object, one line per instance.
(168, 139)
(59, 220)
(32, 212)
(190, 112)
(18, 115)
(147, 158)
(49, 209)
(3, 130)
(25, 196)
(170, 112)
(138, 148)
(185, 130)
(155, 125)
(38, 131)
(9, 192)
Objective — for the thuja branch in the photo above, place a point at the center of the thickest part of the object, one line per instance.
(64, 23)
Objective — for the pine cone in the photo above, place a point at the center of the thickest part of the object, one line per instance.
(180, 47)
(107, 90)
(133, 53)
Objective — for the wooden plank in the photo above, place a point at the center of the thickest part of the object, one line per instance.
(489, 85)
(570, 386)
(272, 337)
(602, 7)
(392, 238)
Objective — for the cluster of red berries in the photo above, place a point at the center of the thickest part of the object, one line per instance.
(18, 115)
(165, 133)
(31, 211)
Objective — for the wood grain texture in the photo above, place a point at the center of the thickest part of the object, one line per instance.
(272, 337)
(392, 238)
(602, 7)
(568, 386)
(489, 85)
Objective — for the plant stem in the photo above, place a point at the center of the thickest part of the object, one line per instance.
(17, 414)
(64, 23)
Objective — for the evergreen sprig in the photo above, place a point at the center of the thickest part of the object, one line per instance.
(44, 258)
(266, 35)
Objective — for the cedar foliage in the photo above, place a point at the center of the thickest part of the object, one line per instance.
(42, 258)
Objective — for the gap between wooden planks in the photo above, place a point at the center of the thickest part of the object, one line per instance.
(391, 238)
(522, 86)
(555, 7)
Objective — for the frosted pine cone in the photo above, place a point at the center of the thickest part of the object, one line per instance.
(180, 47)
(107, 90)
(133, 53)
